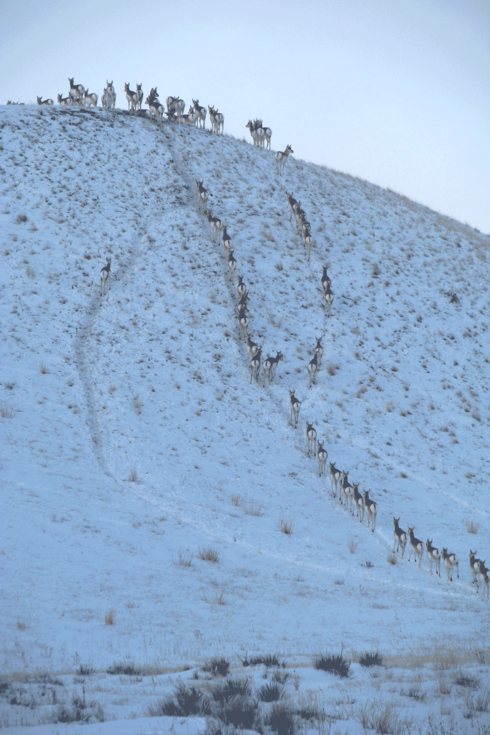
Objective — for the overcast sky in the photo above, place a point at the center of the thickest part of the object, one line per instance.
(393, 91)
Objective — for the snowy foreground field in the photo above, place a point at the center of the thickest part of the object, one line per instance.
(162, 525)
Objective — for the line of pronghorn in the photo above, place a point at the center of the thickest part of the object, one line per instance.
(358, 504)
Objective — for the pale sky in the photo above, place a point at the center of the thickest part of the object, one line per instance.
(396, 92)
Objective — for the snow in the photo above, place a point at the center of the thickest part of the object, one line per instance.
(133, 438)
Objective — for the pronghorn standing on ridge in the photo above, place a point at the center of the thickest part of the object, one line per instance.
(322, 456)
(155, 106)
(267, 134)
(270, 366)
(295, 407)
(282, 157)
(358, 502)
(434, 556)
(347, 490)
(76, 90)
(90, 99)
(217, 121)
(450, 561)
(399, 537)
(256, 132)
(139, 96)
(475, 568)
(372, 510)
(310, 439)
(131, 97)
(335, 476)
(104, 274)
(203, 195)
(66, 101)
(201, 112)
(484, 575)
(416, 545)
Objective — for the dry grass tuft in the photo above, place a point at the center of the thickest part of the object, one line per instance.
(133, 476)
(286, 526)
(185, 558)
(6, 412)
(137, 404)
(331, 369)
(391, 559)
(252, 508)
(209, 554)
(472, 526)
(42, 368)
(353, 546)
(109, 617)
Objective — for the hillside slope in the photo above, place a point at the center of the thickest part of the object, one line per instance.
(134, 438)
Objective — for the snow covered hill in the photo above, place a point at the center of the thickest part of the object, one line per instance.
(147, 482)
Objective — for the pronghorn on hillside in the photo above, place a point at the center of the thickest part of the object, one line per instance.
(201, 111)
(215, 224)
(255, 365)
(175, 105)
(225, 238)
(358, 502)
(156, 107)
(267, 134)
(282, 157)
(104, 274)
(310, 439)
(291, 204)
(328, 296)
(322, 456)
(257, 133)
(190, 119)
(217, 120)
(203, 195)
(307, 240)
(270, 366)
(76, 90)
(111, 92)
(90, 99)
(416, 545)
(295, 407)
(67, 101)
(475, 568)
(40, 101)
(243, 321)
(335, 476)
(131, 97)
(346, 490)
(242, 301)
(399, 537)
(231, 264)
(252, 348)
(434, 557)
(318, 351)
(241, 288)
(326, 282)
(372, 510)
(139, 96)
(312, 369)
(484, 575)
(450, 561)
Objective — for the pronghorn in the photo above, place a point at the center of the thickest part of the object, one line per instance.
(155, 107)
(267, 135)
(203, 195)
(104, 274)
(175, 105)
(326, 282)
(241, 288)
(347, 490)
(225, 239)
(90, 99)
(215, 225)
(291, 204)
(67, 101)
(318, 351)
(322, 456)
(328, 296)
(399, 537)
(231, 264)
(270, 366)
(335, 476)
(139, 96)
(131, 97)
(475, 568)
(434, 557)
(310, 439)
(312, 369)
(40, 101)
(189, 119)
(282, 157)
(416, 545)
(201, 111)
(242, 301)
(295, 406)
(372, 510)
(257, 133)
(217, 120)
(255, 365)
(252, 348)
(358, 502)
(76, 90)
(243, 321)
(450, 561)
(484, 575)
(111, 92)
(105, 100)
(308, 241)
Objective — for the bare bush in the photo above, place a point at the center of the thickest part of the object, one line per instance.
(209, 554)
(185, 558)
(286, 526)
(109, 617)
(472, 526)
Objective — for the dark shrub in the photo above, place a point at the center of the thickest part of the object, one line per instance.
(270, 692)
(127, 668)
(217, 667)
(232, 688)
(239, 712)
(281, 720)
(371, 659)
(268, 661)
(333, 664)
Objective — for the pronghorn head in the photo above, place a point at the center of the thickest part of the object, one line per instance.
(72, 81)
(318, 341)
(59, 99)
(395, 521)
(279, 356)
(40, 100)
(138, 87)
(472, 555)
(309, 427)
(195, 102)
(126, 86)
(289, 149)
